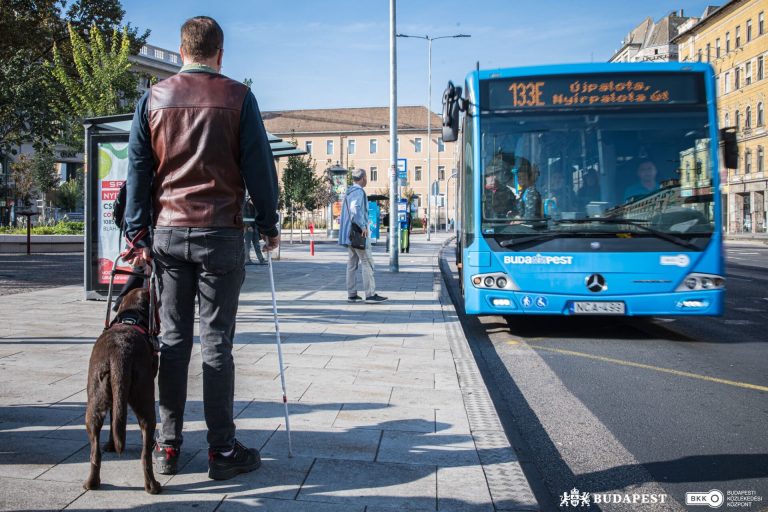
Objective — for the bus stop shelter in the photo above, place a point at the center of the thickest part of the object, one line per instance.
(106, 168)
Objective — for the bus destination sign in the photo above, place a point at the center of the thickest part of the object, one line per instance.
(592, 91)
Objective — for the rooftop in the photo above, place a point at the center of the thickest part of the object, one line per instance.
(338, 120)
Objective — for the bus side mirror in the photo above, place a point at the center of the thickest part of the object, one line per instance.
(729, 148)
(451, 99)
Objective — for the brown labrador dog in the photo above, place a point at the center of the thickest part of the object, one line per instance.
(121, 372)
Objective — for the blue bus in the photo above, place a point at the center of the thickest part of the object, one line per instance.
(589, 189)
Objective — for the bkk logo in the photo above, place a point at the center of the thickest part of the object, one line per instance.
(538, 260)
(680, 260)
(584, 499)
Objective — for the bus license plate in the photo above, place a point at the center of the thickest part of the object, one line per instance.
(598, 308)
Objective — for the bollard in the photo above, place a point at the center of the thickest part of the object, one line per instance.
(311, 239)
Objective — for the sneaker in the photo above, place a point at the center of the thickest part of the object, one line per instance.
(375, 298)
(241, 460)
(354, 298)
(166, 459)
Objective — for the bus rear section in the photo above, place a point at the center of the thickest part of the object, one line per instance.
(591, 190)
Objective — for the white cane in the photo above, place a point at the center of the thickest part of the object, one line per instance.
(279, 352)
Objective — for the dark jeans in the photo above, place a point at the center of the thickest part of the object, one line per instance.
(206, 263)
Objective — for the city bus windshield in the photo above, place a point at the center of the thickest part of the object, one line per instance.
(646, 172)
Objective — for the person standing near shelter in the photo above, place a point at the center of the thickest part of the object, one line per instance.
(197, 142)
(355, 211)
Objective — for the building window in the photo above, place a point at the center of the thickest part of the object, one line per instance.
(440, 145)
(698, 56)
(441, 172)
(417, 173)
(760, 68)
(373, 146)
(159, 54)
(417, 144)
(328, 147)
(308, 146)
(351, 144)
(760, 162)
(749, 30)
(748, 161)
(174, 58)
(748, 73)
(760, 23)
(760, 118)
(374, 173)
(727, 121)
(748, 118)
(727, 42)
(717, 48)
(709, 52)
(144, 50)
(738, 120)
(736, 78)
(737, 39)
(727, 82)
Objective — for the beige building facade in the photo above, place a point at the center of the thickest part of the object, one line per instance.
(359, 137)
(734, 40)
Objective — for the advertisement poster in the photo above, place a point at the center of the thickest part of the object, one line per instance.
(113, 170)
(373, 221)
(339, 188)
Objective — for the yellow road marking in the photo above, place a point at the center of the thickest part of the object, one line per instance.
(655, 368)
(513, 342)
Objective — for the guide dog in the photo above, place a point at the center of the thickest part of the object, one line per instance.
(121, 372)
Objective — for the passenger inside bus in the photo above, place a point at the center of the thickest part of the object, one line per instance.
(500, 196)
(590, 190)
(646, 184)
(529, 202)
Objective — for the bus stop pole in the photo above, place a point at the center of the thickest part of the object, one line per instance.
(394, 265)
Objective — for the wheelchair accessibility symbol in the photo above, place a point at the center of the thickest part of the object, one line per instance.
(541, 302)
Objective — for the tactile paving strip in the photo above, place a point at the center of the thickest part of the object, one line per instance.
(480, 411)
(507, 483)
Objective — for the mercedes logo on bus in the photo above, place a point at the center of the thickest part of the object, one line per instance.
(596, 283)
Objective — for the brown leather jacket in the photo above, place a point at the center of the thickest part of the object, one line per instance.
(187, 113)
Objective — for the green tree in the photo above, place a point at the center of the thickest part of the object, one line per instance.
(35, 173)
(44, 172)
(303, 189)
(21, 173)
(33, 107)
(104, 84)
(69, 197)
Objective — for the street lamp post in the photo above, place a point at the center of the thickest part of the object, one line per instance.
(429, 40)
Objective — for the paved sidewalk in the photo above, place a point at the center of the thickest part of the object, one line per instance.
(388, 408)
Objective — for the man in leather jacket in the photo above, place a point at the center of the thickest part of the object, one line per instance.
(197, 142)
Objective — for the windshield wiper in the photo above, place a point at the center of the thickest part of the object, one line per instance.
(637, 223)
(533, 238)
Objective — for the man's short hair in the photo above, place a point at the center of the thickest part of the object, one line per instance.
(358, 174)
(201, 37)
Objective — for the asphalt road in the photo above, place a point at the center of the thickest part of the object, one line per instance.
(655, 406)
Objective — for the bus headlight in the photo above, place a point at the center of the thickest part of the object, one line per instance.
(696, 281)
(494, 281)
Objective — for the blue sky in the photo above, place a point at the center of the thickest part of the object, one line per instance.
(335, 53)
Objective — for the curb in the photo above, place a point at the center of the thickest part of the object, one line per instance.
(507, 483)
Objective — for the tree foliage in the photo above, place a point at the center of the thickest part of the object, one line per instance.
(303, 189)
(33, 107)
(35, 173)
(104, 83)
